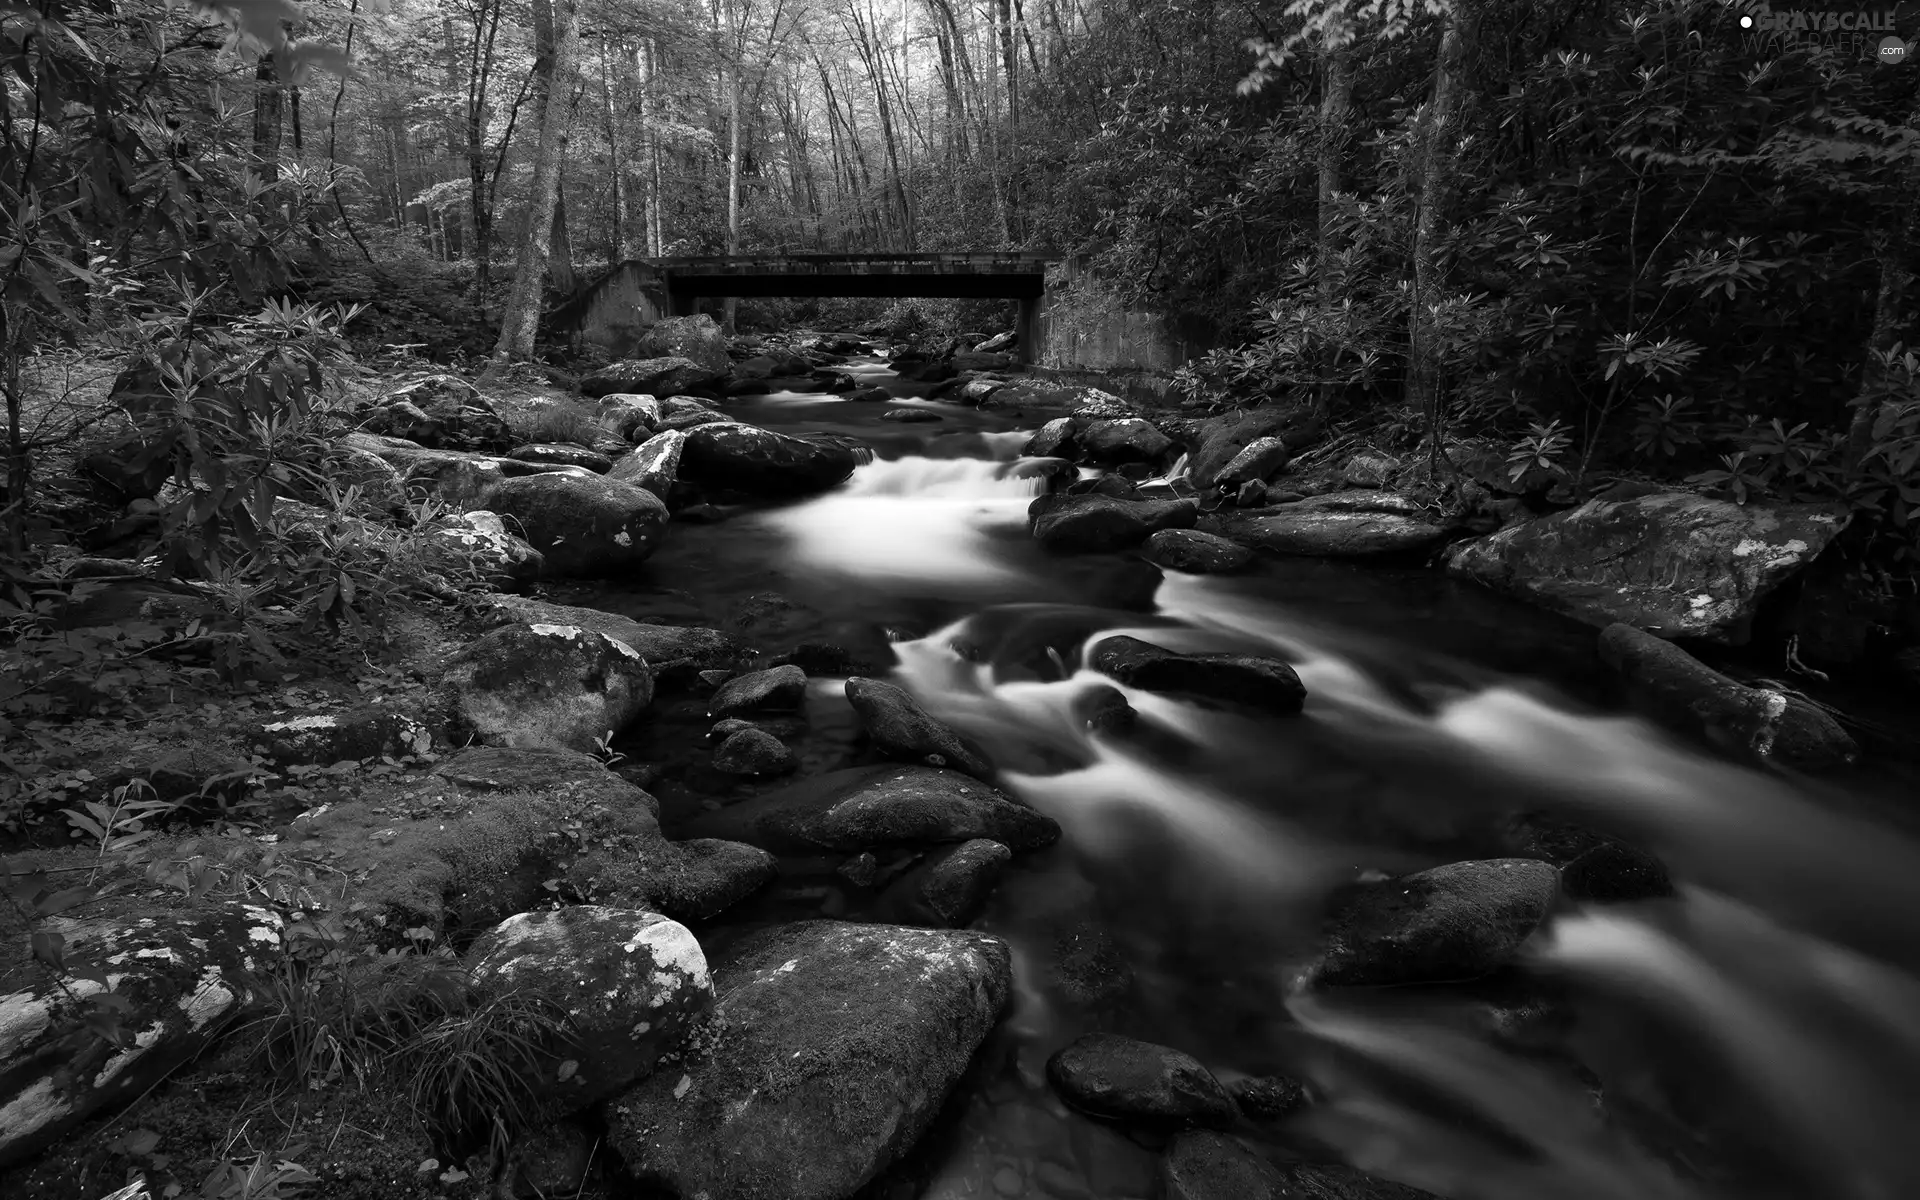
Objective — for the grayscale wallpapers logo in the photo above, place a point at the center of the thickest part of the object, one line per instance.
(1874, 33)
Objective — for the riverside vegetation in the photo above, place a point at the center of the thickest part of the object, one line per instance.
(323, 824)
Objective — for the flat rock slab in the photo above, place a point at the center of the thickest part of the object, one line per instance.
(1671, 563)
(1108, 1075)
(835, 1046)
(1311, 529)
(1240, 681)
(867, 807)
(682, 648)
(1458, 921)
(1195, 553)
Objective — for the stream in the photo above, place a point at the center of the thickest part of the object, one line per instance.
(1757, 1036)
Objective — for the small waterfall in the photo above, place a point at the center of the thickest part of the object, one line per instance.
(913, 519)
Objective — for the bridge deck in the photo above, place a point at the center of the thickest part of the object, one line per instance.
(1012, 275)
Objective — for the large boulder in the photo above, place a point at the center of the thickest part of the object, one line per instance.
(547, 686)
(632, 984)
(633, 416)
(1260, 460)
(655, 465)
(1458, 921)
(863, 808)
(1671, 563)
(834, 1048)
(1124, 440)
(1239, 681)
(1217, 441)
(745, 458)
(1767, 724)
(683, 649)
(697, 338)
(178, 979)
(1126, 1079)
(583, 525)
(1340, 525)
(1050, 439)
(902, 729)
(1090, 523)
(668, 376)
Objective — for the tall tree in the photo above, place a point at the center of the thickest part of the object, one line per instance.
(520, 322)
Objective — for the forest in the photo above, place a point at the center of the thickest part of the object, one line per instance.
(840, 746)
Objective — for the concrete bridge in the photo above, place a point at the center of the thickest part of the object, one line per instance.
(616, 307)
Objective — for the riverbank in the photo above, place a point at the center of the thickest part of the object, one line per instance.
(1040, 837)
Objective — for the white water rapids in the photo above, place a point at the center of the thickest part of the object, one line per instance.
(1780, 972)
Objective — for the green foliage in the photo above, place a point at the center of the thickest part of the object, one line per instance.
(468, 1058)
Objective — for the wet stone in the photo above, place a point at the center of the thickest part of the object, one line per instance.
(1123, 1078)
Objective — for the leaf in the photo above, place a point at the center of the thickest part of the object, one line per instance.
(49, 948)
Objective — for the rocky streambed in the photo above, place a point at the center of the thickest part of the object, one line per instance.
(925, 780)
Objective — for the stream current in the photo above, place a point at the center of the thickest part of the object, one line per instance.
(1757, 1036)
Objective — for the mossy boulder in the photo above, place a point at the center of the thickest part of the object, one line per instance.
(179, 978)
(585, 525)
(547, 685)
(633, 985)
(654, 465)
(668, 649)
(834, 1047)
(1670, 563)
(667, 375)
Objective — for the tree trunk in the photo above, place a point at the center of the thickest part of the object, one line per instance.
(620, 245)
(1336, 113)
(486, 25)
(560, 262)
(732, 306)
(268, 122)
(521, 319)
(1433, 175)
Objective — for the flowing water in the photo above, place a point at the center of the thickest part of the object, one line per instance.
(1757, 1036)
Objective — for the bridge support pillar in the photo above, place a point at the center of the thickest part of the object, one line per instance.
(1028, 327)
